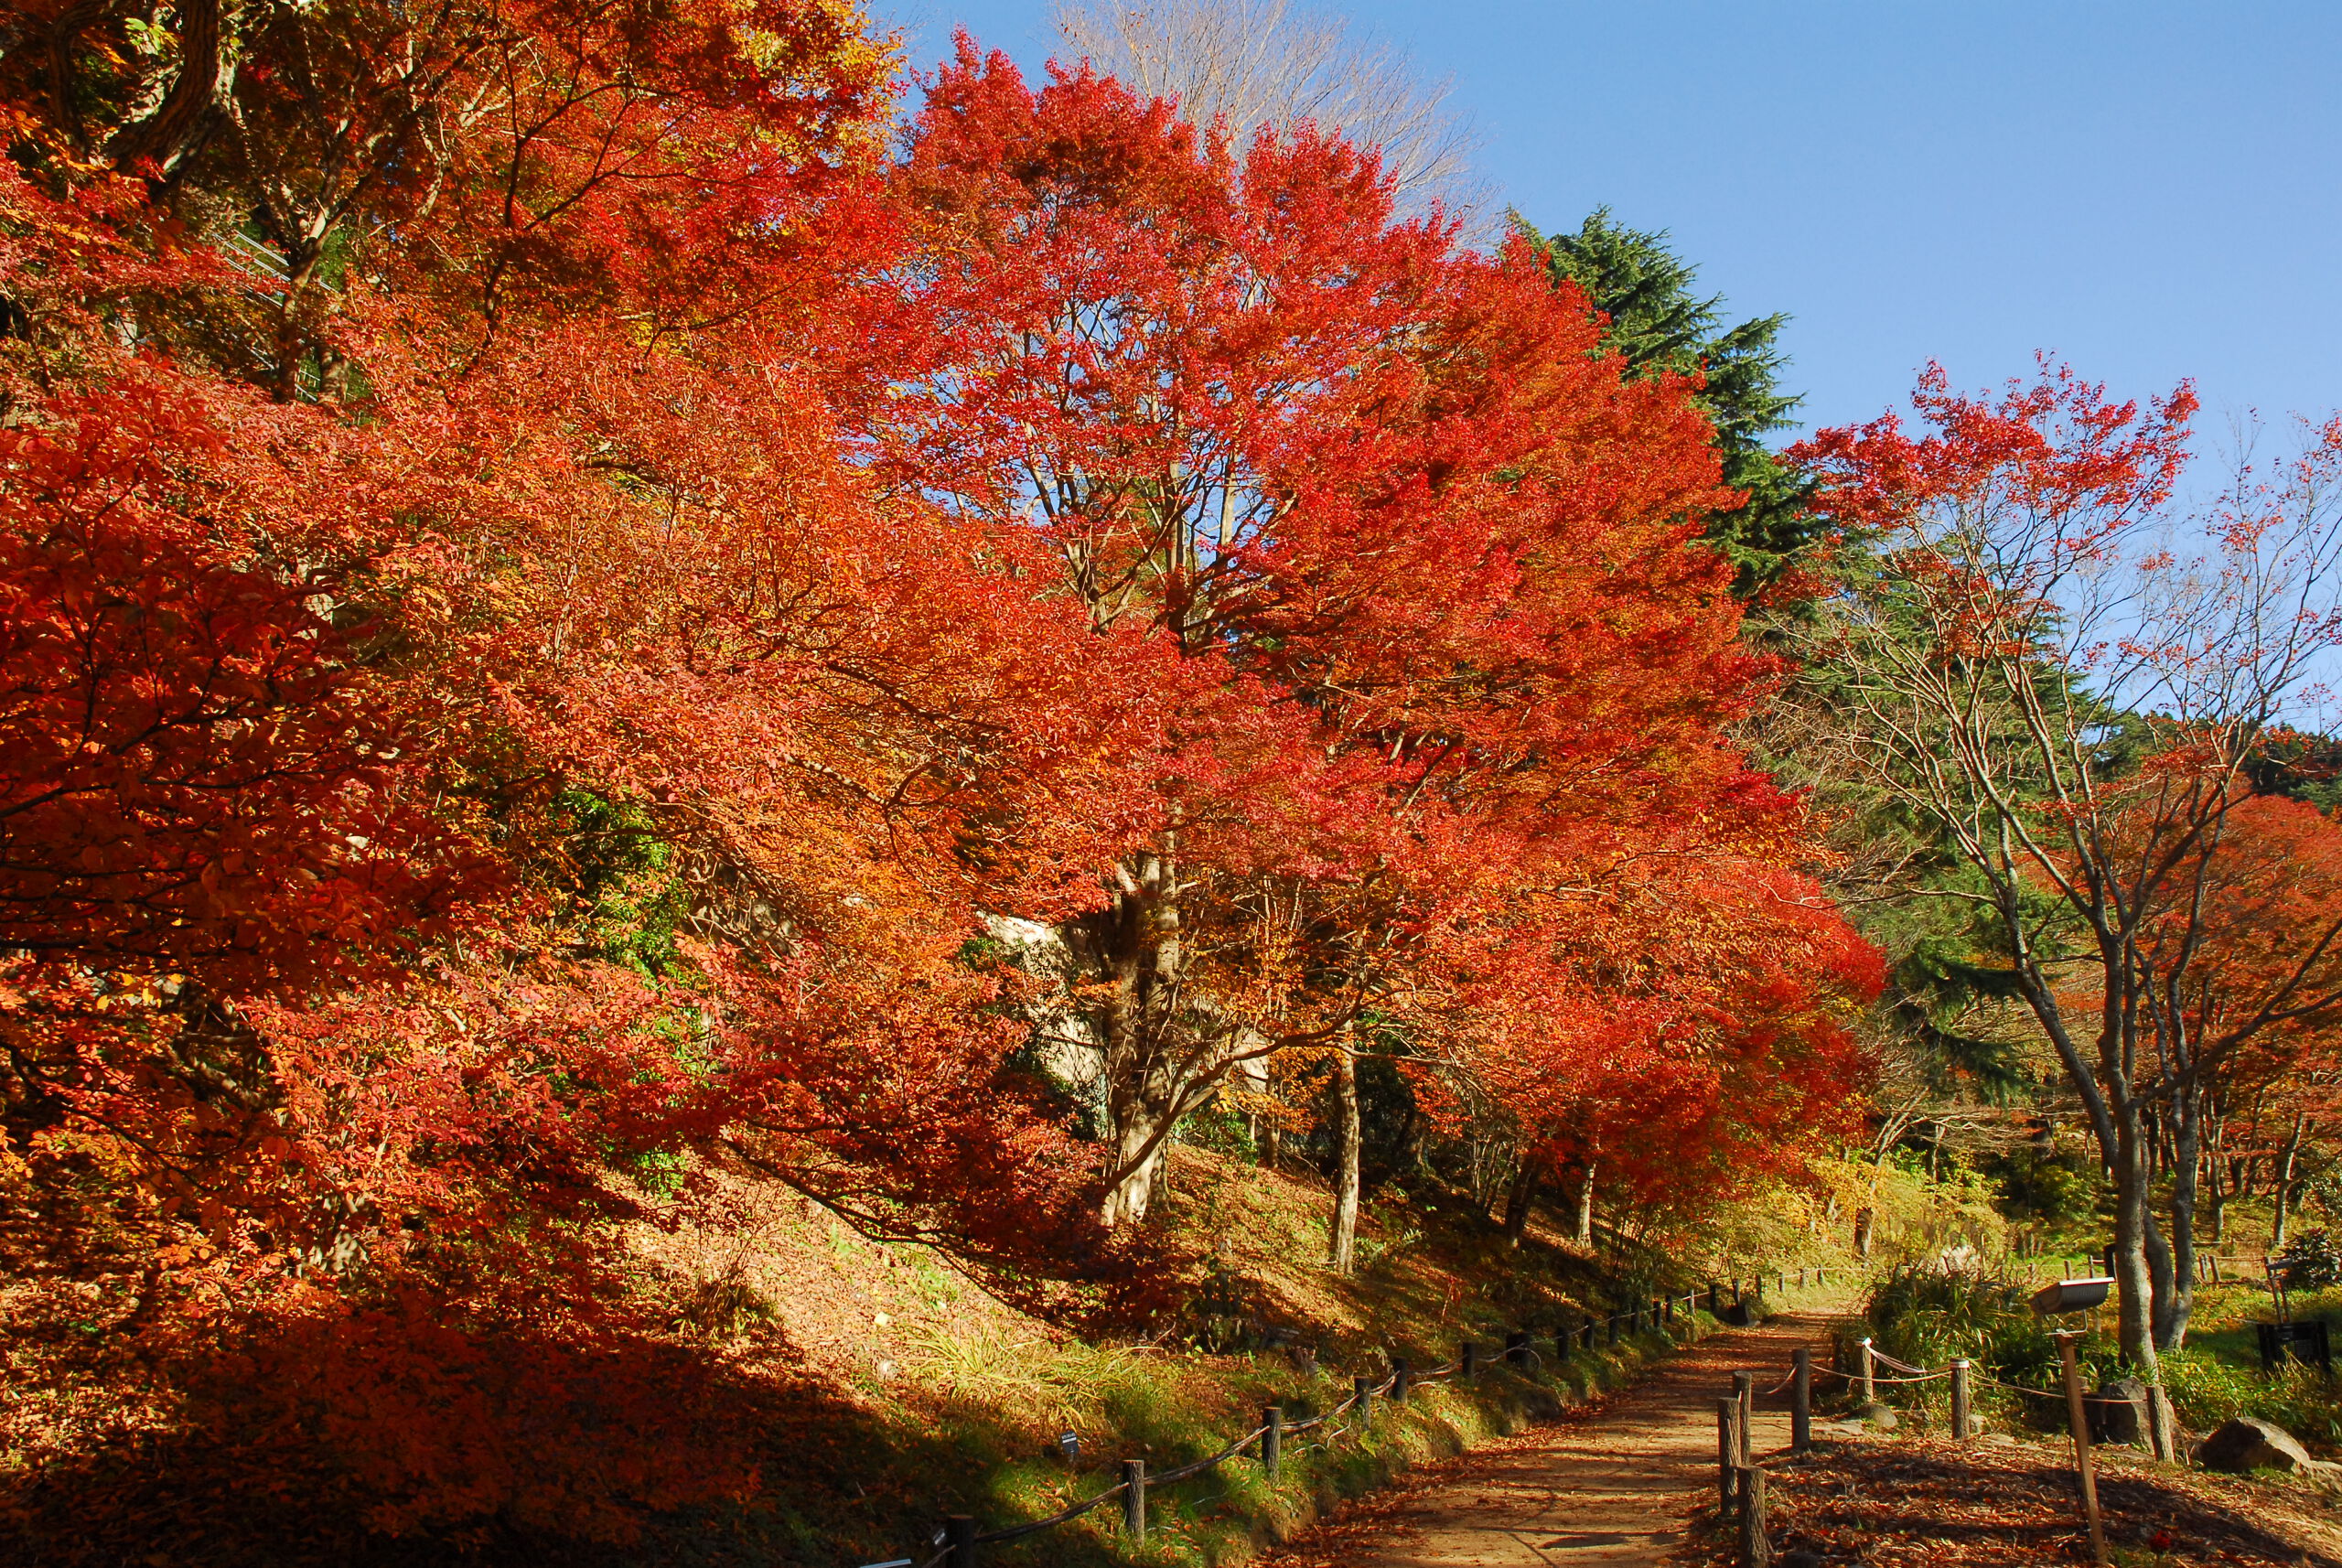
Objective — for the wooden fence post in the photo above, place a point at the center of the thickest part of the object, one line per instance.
(1960, 1402)
(1467, 1360)
(1868, 1380)
(1362, 1390)
(1727, 1449)
(1516, 1347)
(1399, 1383)
(1744, 1389)
(1134, 1499)
(1755, 1546)
(1273, 1440)
(1801, 1400)
(960, 1541)
(2080, 1420)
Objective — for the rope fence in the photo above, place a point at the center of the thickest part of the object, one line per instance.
(1740, 1480)
(960, 1541)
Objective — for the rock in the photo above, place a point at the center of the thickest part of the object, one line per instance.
(1882, 1416)
(2249, 1445)
(2118, 1411)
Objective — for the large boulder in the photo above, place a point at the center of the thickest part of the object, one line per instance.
(2246, 1443)
(2118, 1413)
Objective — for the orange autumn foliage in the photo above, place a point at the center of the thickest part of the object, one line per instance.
(532, 659)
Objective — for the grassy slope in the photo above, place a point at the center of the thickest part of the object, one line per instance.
(877, 1389)
(902, 1391)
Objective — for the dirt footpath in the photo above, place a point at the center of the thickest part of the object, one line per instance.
(1606, 1487)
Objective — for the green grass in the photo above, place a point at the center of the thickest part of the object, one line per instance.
(2217, 1377)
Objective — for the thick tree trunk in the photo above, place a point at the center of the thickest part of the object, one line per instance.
(1518, 1201)
(1586, 1206)
(179, 125)
(2160, 1284)
(1136, 1149)
(2134, 1285)
(1152, 1074)
(1341, 1245)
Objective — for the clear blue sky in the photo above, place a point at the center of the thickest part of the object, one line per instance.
(2149, 190)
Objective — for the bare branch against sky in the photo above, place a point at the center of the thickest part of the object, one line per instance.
(1257, 63)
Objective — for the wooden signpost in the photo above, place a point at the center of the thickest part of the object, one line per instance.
(2066, 1340)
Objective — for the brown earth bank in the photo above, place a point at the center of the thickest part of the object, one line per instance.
(873, 1387)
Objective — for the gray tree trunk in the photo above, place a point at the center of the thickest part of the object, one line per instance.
(2134, 1285)
(2177, 1305)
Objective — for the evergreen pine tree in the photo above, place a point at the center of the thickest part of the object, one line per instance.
(1660, 325)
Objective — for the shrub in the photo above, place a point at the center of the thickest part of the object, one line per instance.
(2311, 1262)
(1929, 1319)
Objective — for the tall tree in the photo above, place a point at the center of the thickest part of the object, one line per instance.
(1657, 321)
(1422, 552)
(2017, 605)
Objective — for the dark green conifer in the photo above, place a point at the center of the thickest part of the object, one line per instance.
(1660, 323)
